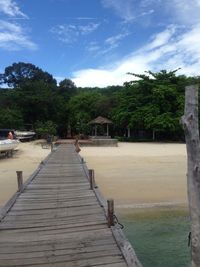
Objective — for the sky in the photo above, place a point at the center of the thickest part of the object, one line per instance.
(97, 42)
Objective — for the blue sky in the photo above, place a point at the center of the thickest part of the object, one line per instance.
(96, 42)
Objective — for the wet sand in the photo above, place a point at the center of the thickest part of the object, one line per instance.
(26, 158)
(140, 175)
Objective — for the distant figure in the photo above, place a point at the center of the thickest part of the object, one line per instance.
(77, 148)
(10, 135)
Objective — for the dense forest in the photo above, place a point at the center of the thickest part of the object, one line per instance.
(147, 108)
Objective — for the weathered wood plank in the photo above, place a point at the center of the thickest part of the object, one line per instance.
(57, 220)
(99, 261)
(52, 258)
(58, 252)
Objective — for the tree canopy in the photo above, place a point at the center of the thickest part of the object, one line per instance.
(149, 106)
(19, 73)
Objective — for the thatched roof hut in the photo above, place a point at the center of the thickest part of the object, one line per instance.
(102, 121)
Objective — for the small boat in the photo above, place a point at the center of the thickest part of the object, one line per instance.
(24, 135)
(8, 145)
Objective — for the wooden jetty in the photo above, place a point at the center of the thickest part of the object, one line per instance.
(58, 218)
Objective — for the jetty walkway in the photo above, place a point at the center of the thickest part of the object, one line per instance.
(59, 219)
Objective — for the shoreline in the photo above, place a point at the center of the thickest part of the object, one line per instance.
(152, 205)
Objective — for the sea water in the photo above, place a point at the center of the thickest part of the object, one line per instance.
(159, 236)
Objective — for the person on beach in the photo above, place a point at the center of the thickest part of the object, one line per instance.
(10, 135)
(77, 148)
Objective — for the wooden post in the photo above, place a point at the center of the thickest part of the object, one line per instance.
(110, 203)
(91, 177)
(51, 146)
(191, 129)
(19, 180)
(95, 130)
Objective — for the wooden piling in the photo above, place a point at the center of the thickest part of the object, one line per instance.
(19, 180)
(110, 203)
(91, 179)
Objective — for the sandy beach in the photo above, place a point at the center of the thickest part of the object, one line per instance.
(26, 158)
(140, 174)
(134, 174)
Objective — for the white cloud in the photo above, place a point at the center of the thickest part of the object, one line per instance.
(85, 18)
(113, 41)
(93, 47)
(10, 8)
(65, 33)
(169, 49)
(13, 37)
(185, 11)
(161, 38)
(108, 45)
(88, 28)
(128, 10)
(70, 33)
(123, 8)
(148, 12)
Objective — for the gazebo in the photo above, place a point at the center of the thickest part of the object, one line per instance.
(101, 121)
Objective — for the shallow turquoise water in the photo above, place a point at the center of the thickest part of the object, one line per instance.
(159, 237)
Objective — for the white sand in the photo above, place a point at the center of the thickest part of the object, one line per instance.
(26, 158)
(134, 174)
(140, 174)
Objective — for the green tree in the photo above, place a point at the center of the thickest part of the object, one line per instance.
(67, 89)
(84, 107)
(152, 102)
(46, 128)
(18, 73)
(11, 118)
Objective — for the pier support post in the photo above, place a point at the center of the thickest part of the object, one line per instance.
(91, 178)
(19, 180)
(190, 122)
(110, 203)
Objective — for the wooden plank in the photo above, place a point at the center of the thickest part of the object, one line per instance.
(58, 252)
(51, 259)
(99, 261)
(13, 199)
(57, 220)
(49, 246)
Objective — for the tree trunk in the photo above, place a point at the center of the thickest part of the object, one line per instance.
(153, 135)
(191, 129)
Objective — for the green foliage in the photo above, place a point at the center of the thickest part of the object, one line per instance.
(10, 118)
(84, 107)
(67, 88)
(18, 73)
(153, 101)
(150, 106)
(45, 128)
